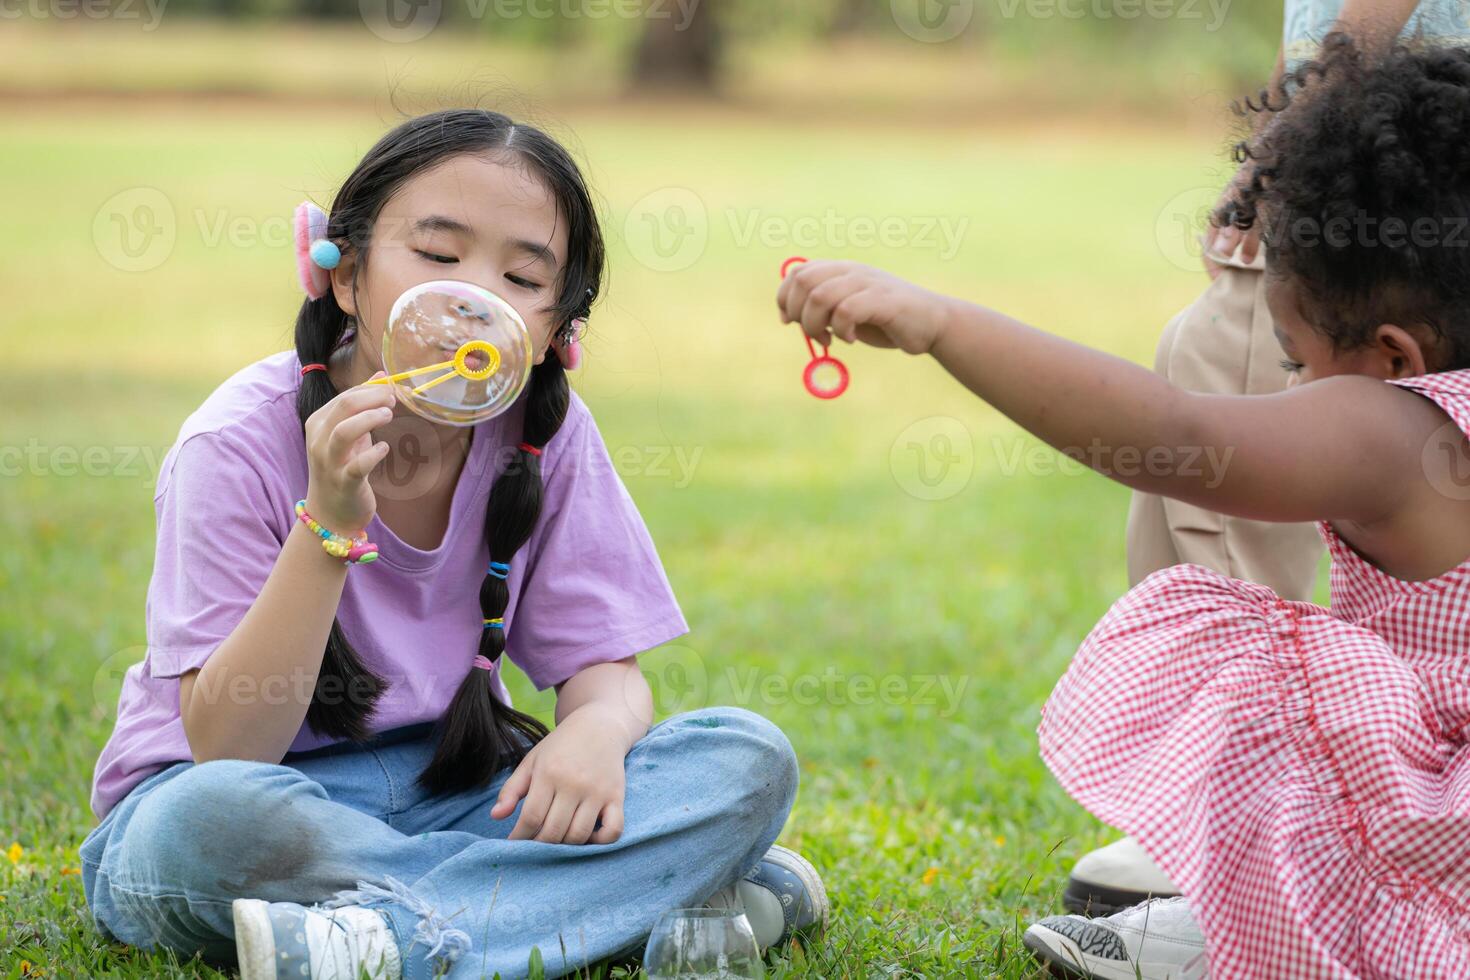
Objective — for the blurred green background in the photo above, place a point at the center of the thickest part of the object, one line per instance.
(901, 539)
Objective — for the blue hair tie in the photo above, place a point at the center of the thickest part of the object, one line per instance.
(499, 569)
(495, 624)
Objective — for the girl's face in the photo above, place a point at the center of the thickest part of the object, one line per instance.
(479, 218)
(1393, 352)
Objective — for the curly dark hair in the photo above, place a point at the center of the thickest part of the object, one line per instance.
(1361, 183)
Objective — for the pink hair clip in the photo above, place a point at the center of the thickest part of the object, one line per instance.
(315, 253)
(569, 351)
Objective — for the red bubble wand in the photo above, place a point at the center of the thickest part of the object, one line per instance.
(818, 361)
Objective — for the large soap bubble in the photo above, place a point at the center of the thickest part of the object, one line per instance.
(455, 352)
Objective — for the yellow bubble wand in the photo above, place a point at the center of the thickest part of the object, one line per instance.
(458, 366)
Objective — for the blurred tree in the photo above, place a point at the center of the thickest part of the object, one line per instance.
(680, 48)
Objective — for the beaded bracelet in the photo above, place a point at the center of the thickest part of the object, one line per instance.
(352, 551)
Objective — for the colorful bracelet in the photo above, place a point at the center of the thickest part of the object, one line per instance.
(352, 551)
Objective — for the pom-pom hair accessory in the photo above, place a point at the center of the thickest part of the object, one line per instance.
(316, 254)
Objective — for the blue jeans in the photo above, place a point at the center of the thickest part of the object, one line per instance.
(707, 793)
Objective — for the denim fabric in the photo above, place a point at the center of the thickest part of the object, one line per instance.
(707, 793)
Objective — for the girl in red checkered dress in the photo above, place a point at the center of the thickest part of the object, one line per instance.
(1302, 773)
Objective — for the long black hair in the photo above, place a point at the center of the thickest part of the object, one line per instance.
(478, 734)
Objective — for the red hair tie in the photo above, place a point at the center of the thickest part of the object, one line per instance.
(308, 368)
(530, 449)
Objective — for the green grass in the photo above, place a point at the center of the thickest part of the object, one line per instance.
(794, 546)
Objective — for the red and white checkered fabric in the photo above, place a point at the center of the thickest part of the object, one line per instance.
(1302, 774)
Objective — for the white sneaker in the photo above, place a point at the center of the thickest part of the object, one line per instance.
(1114, 877)
(1157, 940)
(280, 940)
(782, 896)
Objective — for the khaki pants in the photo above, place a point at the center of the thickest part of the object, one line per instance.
(1223, 343)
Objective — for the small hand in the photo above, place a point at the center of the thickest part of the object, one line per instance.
(571, 779)
(857, 302)
(1221, 243)
(340, 454)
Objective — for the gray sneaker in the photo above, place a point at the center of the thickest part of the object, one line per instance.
(782, 896)
(1157, 940)
(277, 940)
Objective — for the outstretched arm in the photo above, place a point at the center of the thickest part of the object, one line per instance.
(1343, 448)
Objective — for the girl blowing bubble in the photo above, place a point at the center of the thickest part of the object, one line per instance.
(1299, 772)
(316, 771)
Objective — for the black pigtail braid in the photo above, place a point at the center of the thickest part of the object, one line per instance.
(346, 691)
(479, 735)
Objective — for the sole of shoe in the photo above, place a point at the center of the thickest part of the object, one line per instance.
(1086, 898)
(810, 880)
(1061, 958)
(255, 942)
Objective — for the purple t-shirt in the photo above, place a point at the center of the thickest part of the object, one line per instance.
(587, 588)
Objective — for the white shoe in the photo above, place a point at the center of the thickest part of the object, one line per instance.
(782, 896)
(1114, 877)
(280, 940)
(1157, 940)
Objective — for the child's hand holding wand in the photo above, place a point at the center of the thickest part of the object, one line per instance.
(1283, 450)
